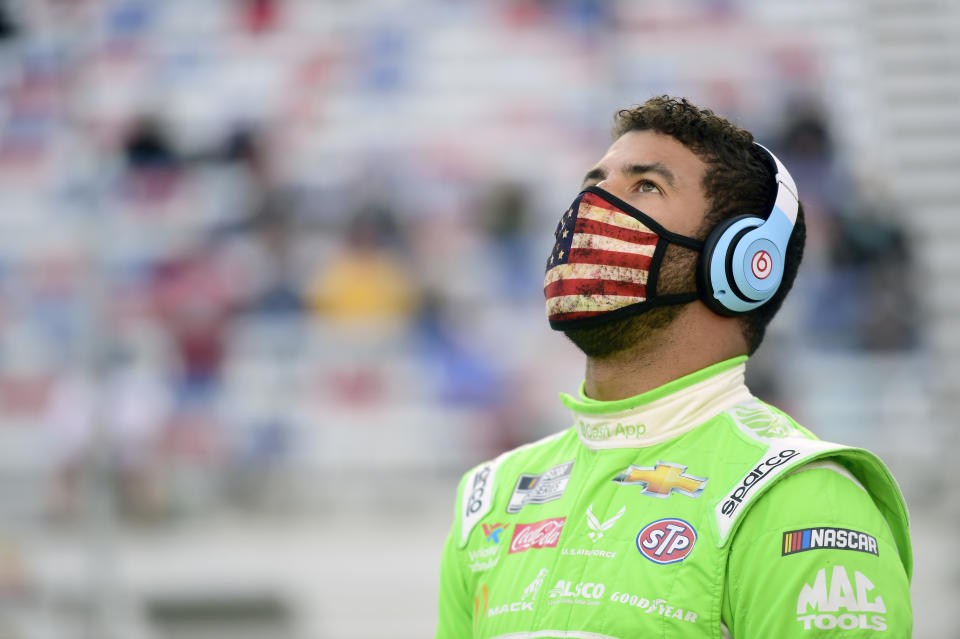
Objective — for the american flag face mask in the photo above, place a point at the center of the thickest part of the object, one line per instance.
(605, 262)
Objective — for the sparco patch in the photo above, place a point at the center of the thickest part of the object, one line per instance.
(477, 499)
(754, 478)
(796, 541)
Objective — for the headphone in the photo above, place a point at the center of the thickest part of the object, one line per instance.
(743, 258)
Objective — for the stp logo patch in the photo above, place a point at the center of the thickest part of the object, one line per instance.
(666, 541)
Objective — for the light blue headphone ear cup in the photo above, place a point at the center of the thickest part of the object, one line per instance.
(744, 258)
(716, 282)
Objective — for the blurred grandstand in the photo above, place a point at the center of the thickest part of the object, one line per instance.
(271, 271)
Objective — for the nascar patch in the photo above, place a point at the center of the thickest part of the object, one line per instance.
(805, 539)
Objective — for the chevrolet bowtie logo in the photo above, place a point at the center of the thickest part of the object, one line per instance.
(663, 479)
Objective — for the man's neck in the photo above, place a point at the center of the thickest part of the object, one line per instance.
(695, 340)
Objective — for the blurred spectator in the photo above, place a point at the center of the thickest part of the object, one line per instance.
(872, 301)
(125, 416)
(806, 146)
(29, 363)
(148, 147)
(863, 299)
(8, 26)
(14, 579)
(140, 406)
(270, 224)
(194, 299)
(153, 167)
(508, 224)
(460, 370)
(369, 281)
(258, 16)
(273, 230)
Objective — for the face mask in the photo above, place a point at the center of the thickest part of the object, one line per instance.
(605, 263)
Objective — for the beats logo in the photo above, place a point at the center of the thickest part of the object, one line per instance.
(761, 265)
(666, 541)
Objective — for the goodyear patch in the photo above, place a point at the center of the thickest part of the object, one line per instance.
(805, 539)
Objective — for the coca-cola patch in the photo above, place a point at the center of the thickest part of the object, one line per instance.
(540, 534)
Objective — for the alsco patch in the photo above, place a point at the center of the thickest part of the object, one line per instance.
(805, 539)
(666, 541)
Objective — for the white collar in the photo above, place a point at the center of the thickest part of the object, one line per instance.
(663, 413)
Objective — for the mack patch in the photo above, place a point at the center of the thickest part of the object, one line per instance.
(796, 541)
(539, 489)
(526, 600)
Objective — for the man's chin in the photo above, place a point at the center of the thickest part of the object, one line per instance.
(636, 333)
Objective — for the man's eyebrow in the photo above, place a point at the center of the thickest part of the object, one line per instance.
(656, 167)
(595, 173)
(598, 173)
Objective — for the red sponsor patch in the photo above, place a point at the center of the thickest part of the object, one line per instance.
(540, 534)
(666, 541)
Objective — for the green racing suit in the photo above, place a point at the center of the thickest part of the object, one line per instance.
(693, 510)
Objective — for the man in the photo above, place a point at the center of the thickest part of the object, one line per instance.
(677, 505)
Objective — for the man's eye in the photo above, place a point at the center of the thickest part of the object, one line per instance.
(645, 186)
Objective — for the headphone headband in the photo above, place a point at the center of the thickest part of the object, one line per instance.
(787, 198)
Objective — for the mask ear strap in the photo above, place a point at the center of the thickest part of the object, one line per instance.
(653, 278)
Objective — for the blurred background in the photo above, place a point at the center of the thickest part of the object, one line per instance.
(270, 280)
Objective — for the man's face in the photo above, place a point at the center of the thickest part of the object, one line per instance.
(662, 178)
(656, 174)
